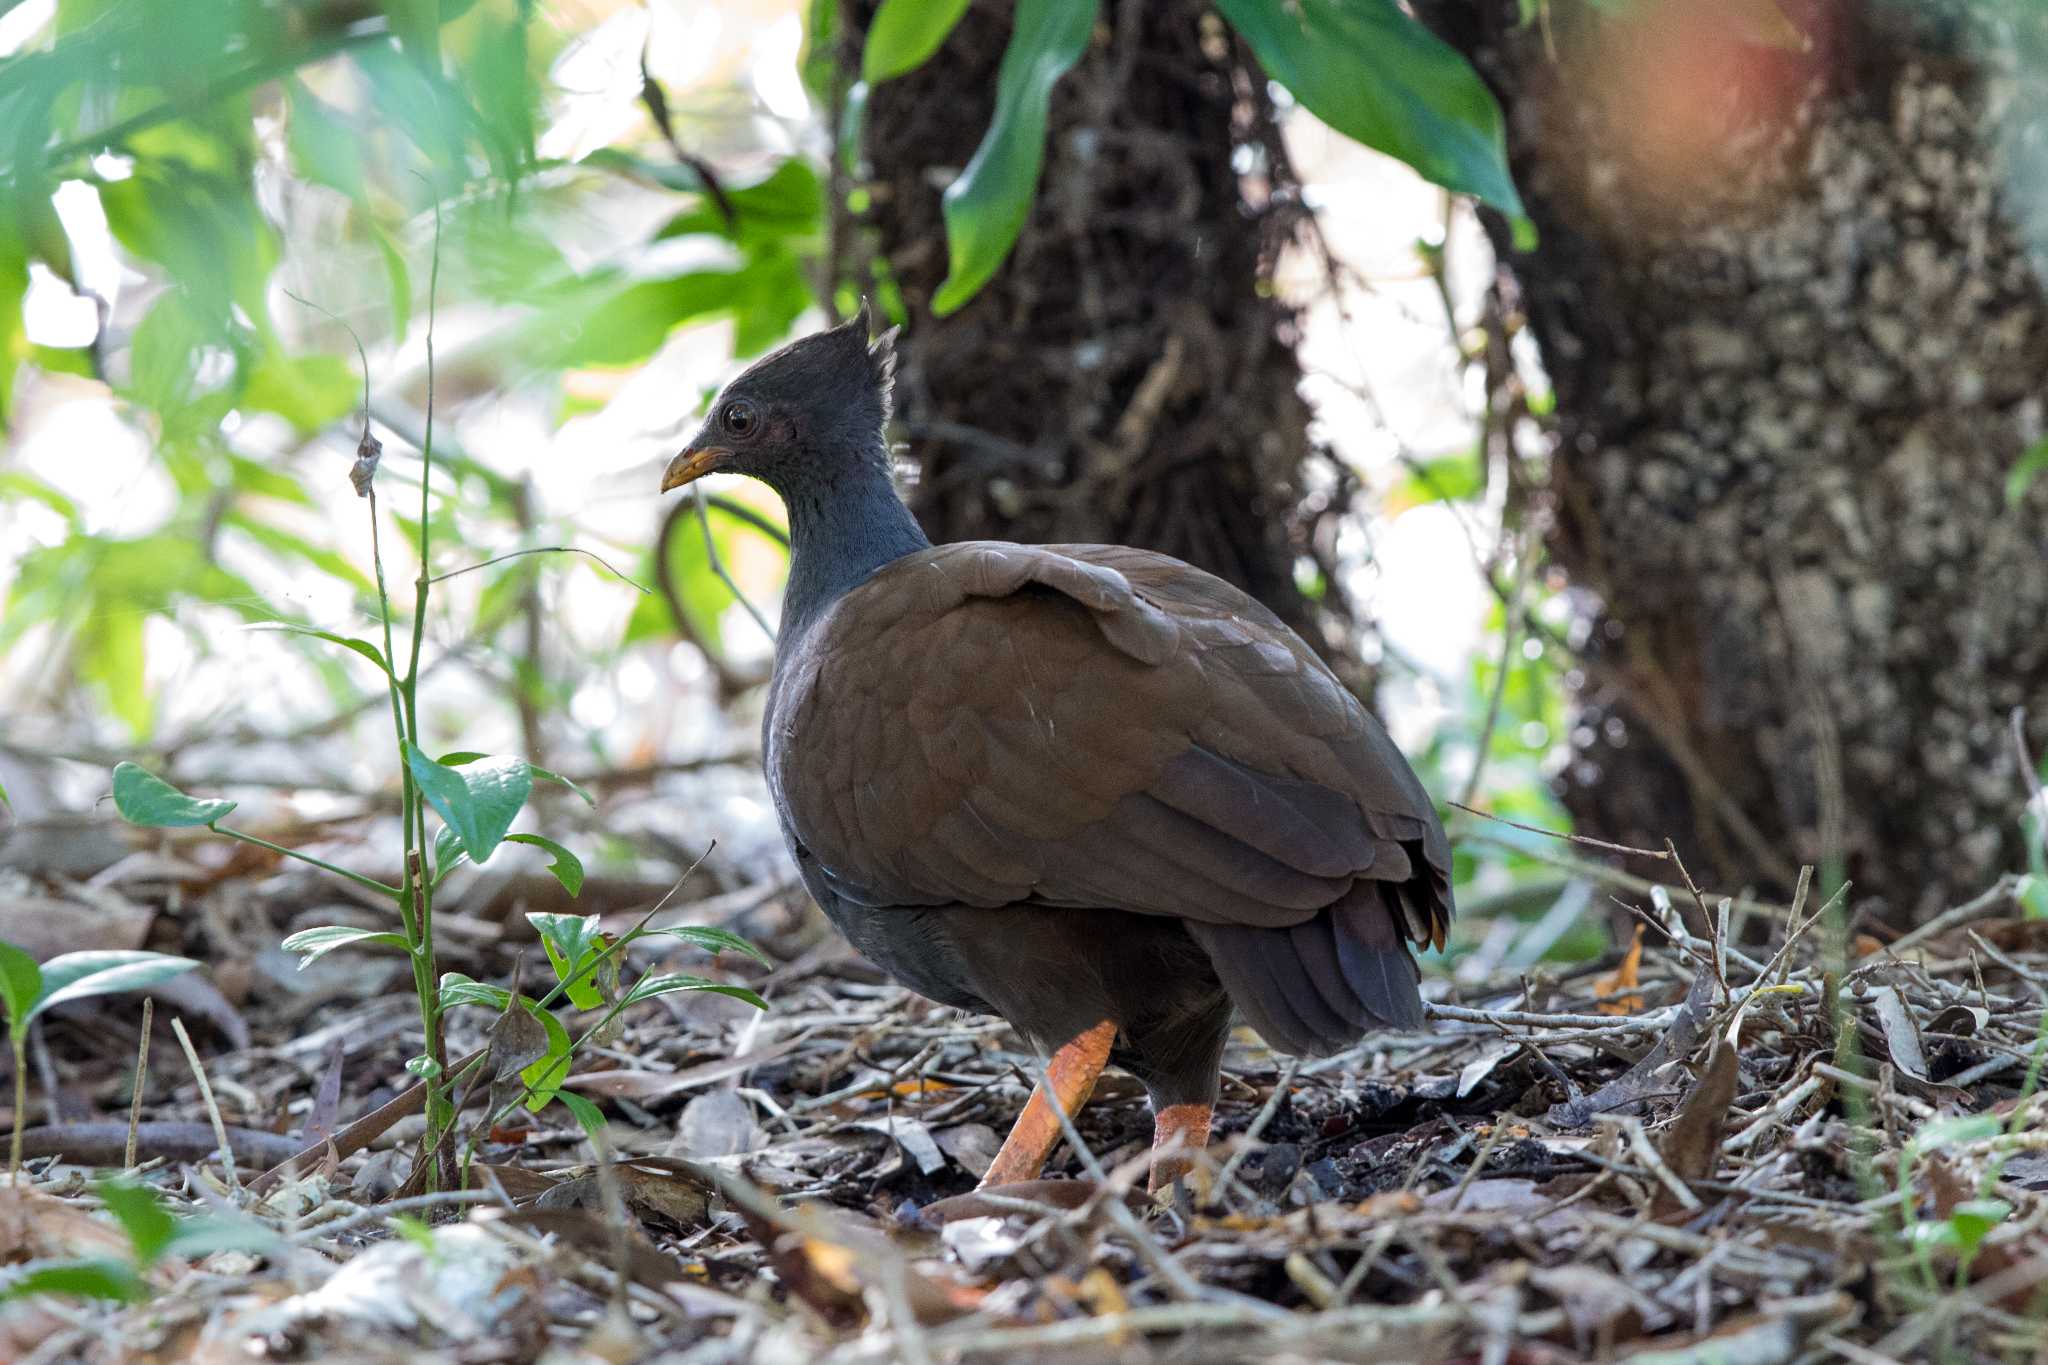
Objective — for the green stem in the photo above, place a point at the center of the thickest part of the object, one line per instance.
(358, 878)
(426, 980)
(20, 1040)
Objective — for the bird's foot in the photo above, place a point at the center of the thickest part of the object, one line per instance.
(1073, 1072)
(1179, 1134)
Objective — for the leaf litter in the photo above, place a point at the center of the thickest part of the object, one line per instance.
(1750, 1143)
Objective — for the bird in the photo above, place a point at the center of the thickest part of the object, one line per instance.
(1091, 789)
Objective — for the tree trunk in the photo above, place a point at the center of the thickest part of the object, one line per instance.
(1127, 376)
(1798, 342)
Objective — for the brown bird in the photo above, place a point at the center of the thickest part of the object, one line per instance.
(1091, 789)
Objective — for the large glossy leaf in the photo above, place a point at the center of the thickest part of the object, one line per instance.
(478, 800)
(987, 206)
(79, 976)
(904, 34)
(145, 799)
(21, 981)
(1376, 75)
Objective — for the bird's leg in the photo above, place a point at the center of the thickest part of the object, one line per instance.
(1179, 1133)
(1072, 1071)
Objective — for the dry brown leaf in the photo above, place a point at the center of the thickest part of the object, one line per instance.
(1691, 1145)
(1625, 977)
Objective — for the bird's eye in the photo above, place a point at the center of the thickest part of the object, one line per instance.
(739, 418)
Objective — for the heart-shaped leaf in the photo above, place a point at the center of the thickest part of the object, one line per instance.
(311, 944)
(572, 943)
(78, 976)
(567, 867)
(145, 799)
(540, 774)
(478, 800)
(21, 981)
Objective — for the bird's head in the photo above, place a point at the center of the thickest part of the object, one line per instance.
(810, 413)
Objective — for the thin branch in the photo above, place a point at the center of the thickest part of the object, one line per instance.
(718, 567)
(545, 550)
(1587, 840)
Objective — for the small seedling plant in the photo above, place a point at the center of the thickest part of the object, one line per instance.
(153, 1233)
(475, 798)
(27, 988)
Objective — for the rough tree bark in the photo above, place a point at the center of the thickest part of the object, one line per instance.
(1127, 376)
(1798, 342)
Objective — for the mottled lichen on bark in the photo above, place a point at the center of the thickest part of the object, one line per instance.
(1791, 382)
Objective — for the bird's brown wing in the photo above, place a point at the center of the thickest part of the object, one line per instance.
(986, 724)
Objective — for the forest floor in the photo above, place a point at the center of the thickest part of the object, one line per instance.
(1713, 1147)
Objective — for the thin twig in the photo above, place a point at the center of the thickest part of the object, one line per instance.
(718, 568)
(545, 550)
(141, 1079)
(1587, 840)
(220, 1129)
(1264, 1117)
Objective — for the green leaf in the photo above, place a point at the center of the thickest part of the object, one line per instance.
(448, 854)
(540, 774)
(987, 206)
(1956, 1128)
(203, 1236)
(587, 1114)
(2028, 468)
(567, 867)
(312, 944)
(362, 647)
(309, 391)
(95, 1279)
(544, 1078)
(142, 1216)
(1973, 1220)
(904, 34)
(1376, 75)
(480, 800)
(572, 941)
(21, 981)
(147, 800)
(78, 976)
(457, 989)
(713, 940)
(647, 987)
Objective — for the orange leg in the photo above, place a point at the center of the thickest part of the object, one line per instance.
(1073, 1071)
(1179, 1133)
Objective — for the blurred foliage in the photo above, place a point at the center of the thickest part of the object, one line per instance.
(257, 161)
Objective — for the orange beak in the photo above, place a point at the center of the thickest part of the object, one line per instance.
(693, 464)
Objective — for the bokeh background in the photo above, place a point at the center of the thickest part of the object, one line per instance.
(1582, 597)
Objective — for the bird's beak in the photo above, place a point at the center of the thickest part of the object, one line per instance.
(693, 464)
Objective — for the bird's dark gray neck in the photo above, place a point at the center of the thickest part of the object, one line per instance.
(840, 532)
